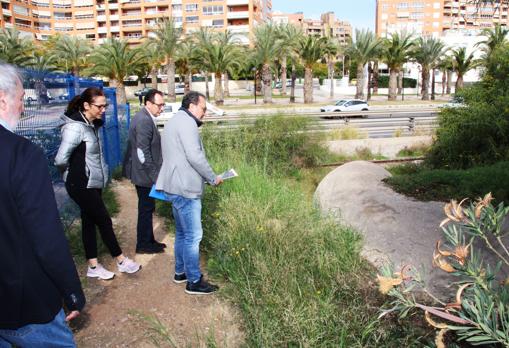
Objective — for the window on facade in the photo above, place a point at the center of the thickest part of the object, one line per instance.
(191, 7)
(192, 19)
(212, 10)
(402, 5)
(218, 23)
(176, 7)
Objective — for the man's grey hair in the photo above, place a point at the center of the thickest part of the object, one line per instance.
(10, 77)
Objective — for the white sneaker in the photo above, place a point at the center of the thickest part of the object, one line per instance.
(128, 266)
(99, 272)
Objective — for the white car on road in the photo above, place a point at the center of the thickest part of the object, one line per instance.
(346, 105)
(171, 108)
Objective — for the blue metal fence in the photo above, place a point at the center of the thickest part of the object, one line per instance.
(46, 97)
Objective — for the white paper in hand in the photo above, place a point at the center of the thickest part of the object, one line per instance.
(229, 174)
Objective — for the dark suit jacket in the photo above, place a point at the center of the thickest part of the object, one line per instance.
(143, 158)
(37, 271)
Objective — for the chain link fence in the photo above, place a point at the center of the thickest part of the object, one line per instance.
(46, 97)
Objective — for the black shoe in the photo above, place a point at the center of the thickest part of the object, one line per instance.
(162, 245)
(202, 287)
(150, 249)
(180, 278)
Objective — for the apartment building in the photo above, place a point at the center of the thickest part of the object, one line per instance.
(327, 25)
(296, 18)
(434, 17)
(130, 19)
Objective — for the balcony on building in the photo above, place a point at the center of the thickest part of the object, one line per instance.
(238, 15)
(237, 2)
(6, 12)
(238, 28)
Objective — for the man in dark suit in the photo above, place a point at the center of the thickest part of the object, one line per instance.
(37, 270)
(142, 163)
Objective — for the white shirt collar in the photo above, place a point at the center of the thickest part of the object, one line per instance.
(6, 125)
(153, 117)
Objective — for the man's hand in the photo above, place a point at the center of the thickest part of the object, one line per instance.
(72, 315)
(218, 181)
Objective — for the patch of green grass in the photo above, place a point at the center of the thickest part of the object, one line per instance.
(413, 151)
(296, 276)
(443, 185)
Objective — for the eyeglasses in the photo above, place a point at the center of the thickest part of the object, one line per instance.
(158, 105)
(101, 106)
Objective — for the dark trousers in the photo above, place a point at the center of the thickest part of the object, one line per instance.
(94, 213)
(146, 208)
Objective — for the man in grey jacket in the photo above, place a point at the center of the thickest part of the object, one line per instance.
(182, 176)
(142, 164)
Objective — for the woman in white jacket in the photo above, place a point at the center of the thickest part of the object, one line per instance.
(85, 174)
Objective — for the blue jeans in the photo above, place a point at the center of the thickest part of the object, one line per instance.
(188, 234)
(53, 334)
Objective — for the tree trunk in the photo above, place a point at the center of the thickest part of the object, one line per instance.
(170, 72)
(459, 83)
(283, 76)
(400, 82)
(375, 77)
(370, 73)
(267, 88)
(330, 68)
(190, 78)
(425, 83)
(308, 85)
(207, 90)
(443, 82)
(218, 89)
(226, 84)
(449, 81)
(121, 95)
(433, 84)
(187, 83)
(153, 78)
(393, 84)
(359, 94)
(292, 91)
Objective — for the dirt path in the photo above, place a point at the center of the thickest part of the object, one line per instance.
(110, 319)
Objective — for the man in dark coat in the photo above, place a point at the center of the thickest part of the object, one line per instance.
(142, 163)
(38, 272)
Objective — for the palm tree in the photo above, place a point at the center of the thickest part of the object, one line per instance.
(71, 53)
(494, 38)
(185, 62)
(115, 60)
(166, 38)
(311, 50)
(153, 58)
(427, 52)
(462, 64)
(267, 47)
(15, 49)
(363, 49)
(203, 39)
(330, 52)
(289, 35)
(396, 52)
(219, 54)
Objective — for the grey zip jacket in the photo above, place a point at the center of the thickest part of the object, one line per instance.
(82, 142)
